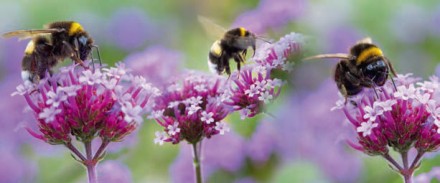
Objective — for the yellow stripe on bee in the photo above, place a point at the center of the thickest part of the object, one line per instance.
(370, 52)
(29, 48)
(216, 49)
(75, 28)
(242, 31)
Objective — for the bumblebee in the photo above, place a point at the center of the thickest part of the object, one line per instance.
(364, 66)
(233, 44)
(51, 45)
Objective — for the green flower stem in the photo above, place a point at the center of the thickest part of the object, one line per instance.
(197, 151)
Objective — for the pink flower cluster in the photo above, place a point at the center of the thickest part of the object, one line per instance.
(251, 91)
(403, 118)
(191, 109)
(84, 104)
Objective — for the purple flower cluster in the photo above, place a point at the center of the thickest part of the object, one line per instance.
(84, 103)
(191, 109)
(276, 55)
(408, 117)
(401, 117)
(251, 91)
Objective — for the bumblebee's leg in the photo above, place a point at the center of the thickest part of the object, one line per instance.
(73, 55)
(390, 66)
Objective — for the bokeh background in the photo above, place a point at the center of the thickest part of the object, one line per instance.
(306, 142)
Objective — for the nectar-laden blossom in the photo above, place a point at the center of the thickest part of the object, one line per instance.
(79, 103)
(277, 55)
(188, 113)
(83, 104)
(251, 90)
(401, 118)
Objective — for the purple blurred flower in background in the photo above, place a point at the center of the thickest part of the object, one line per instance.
(131, 28)
(434, 174)
(306, 120)
(271, 14)
(112, 171)
(409, 23)
(157, 64)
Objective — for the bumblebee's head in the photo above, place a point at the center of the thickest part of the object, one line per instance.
(85, 44)
(376, 70)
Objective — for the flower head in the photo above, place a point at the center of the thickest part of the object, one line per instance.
(277, 55)
(400, 118)
(77, 103)
(189, 113)
(249, 93)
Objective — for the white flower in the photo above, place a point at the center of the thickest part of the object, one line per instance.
(266, 97)
(339, 105)
(253, 90)
(117, 72)
(48, 114)
(173, 129)
(201, 88)
(222, 127)
(366, 128)
(174, 87)
(372, 112)
(23, 89)
(423, 98)
(156, 114)
(160, 138)
(91, 78)
(193, 109)
(405, 93)
(173, 104)
(55, 99)
(261, 85)
(386, 105)
(110, 83)
(70, 90)
(428, 86)
(194, 100)
(207, 117)
(132, 113)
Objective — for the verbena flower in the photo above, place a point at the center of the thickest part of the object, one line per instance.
(84, 104)
(399, 119)
(251, 91)
(189, 113)
(277, 55)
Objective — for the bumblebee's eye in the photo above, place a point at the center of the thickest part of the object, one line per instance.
(82, 40)
(370, 67)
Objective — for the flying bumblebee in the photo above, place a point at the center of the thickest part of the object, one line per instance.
(364, 66)
(48, 46)
(232, 44)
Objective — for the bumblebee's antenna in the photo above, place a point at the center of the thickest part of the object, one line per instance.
(263, 39)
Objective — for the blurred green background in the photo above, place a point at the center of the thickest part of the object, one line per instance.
(407, 31)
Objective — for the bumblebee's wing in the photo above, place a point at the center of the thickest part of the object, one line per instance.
(333, 55)
(24, 34)
(212, 29)
(365, 40)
